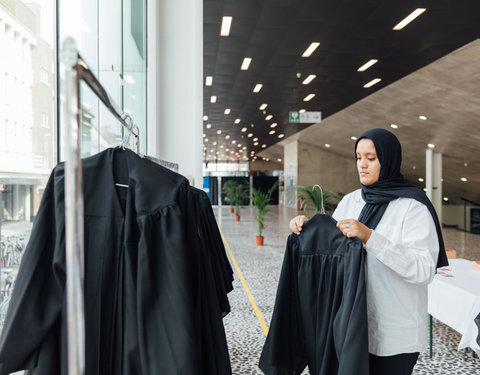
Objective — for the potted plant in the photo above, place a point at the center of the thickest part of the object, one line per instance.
(310, 197)
(261, 201)
(228, 189)
(239, 194)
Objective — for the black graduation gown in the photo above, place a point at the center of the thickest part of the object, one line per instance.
(320, 313)
(141, 277)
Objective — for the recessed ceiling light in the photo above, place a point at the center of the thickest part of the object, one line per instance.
(269, 117)
(205, 118)
(273, 125)
(255, 143)
(281, 135)
(308, 97)
(246, 63)
(271, 132)
(214, 143)
(209, 126)
(258, 87)
(263, 106)
(227, 149)
(394, 126)
(204, 135)
(463, 179)
(309, 79)
(219, 132)
(227, 111)
(279, 160)
(244, 130)
(409, 18)
(237, 121)
(421, 179)
(445, 199)
(302, 111)
(255, 139)
(213, 99)
(226, 24)
(227, 137)
(234, 141)
(221, 146)
(431, 145)
(206, 139)
(327, 145)
(239, 145)
(264, 145)
(465, 164)
(310, 49)
(208, 80)
(422, 117)
(372, 82)
(354, 138)
(367, 65)
(250, 135)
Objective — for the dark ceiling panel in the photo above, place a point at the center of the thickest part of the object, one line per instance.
(276, 32)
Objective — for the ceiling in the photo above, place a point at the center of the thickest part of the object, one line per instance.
(418, 78)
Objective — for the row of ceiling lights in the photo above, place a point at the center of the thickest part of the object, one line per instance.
(225, 31)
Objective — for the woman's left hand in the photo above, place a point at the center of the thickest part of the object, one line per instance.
(354, 228)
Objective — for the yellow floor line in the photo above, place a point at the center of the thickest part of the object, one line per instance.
(250, 297)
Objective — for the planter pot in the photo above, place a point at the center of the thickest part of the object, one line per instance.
(237, 217)
(259, 240)
(231, 210)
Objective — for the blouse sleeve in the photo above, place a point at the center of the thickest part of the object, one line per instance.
(413, 258)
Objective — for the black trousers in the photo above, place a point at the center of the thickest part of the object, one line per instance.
(400, 364)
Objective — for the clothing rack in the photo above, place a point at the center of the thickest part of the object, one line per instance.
(77, 70)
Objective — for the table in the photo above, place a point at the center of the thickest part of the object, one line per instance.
(454, 299)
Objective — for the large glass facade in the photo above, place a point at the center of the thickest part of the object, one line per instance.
(111, 37)
(27, 126)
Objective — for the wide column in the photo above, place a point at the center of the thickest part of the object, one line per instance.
(175, 89)
(433, 180)
(290, 173)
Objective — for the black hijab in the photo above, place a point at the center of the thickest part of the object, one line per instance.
(392, 185)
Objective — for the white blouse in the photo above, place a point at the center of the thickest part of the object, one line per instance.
(401, 259)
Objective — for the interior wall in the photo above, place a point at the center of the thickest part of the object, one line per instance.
(454, 215)
(326, 168)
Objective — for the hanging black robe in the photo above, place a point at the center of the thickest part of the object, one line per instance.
(144, 283)
(320, 313)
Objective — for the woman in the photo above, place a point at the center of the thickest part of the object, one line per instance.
(402, 237)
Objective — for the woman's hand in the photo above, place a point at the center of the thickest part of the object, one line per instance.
(353, 228)
(296, 223)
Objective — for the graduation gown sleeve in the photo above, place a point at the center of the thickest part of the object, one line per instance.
(284, 350)
(36, 301)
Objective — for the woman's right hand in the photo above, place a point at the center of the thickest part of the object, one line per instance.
(296, 223)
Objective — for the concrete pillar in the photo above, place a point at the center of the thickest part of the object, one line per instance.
(175, 84)
(290, 168)
(433, 180)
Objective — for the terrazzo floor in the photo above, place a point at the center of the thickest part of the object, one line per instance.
(260, 267)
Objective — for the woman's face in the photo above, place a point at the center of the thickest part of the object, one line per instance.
(368, 164)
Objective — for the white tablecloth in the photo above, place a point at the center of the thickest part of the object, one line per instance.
(454, 299)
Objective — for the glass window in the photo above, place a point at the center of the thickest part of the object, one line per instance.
(27, 139)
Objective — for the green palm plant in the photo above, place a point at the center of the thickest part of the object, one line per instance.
(311, 198)
(261, 201)
(228, 189)
(239, 193)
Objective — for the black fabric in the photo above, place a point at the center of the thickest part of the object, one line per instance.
(320, 313)
(392, 185)
(152, 303)
(400, 364)
(477, 322)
